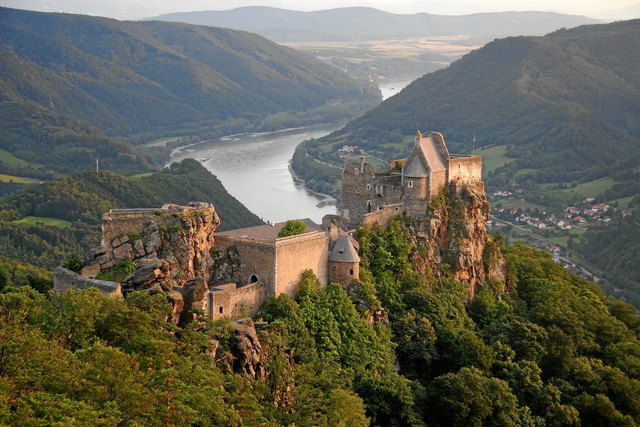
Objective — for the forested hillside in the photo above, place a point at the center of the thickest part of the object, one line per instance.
(45, 224)
(548, 349)
(69, 80)
(565, 106)
(131, 77)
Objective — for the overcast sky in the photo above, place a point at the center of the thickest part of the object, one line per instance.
(134, 9)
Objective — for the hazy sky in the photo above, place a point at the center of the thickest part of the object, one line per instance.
(133, 9)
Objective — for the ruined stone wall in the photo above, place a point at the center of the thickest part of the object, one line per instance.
(384, 215)
(181, 236)
(255, 258)
(465, 169)
(64, 279)
(358, 189)
(231, 301)
(388, 189)
(295, 254)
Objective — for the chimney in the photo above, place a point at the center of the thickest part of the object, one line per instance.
(361, 165)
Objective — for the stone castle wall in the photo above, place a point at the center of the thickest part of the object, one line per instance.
(465, 169)
(64, 279)
(358, 192)
(344, 272)
(231, 301)
(384, 215)
(295, 254)
(256, 261)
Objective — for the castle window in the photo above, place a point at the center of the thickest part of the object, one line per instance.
(368, 205)
(410, 183)
(351, 271)
(368, 186)
(221, 310)
(253, 279)
(356, 171)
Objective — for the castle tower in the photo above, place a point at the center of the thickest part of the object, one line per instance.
(358, 192)
(344, 262)
(424, 173)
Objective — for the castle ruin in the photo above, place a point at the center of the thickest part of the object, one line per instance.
(370, 197)
(176, 250)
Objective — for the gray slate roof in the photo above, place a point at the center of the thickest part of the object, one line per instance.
(343, 251)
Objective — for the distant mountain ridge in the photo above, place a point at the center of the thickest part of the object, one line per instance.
(365, 23)
(132, 77)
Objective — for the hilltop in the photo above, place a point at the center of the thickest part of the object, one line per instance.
(554, 103)
(554, 117)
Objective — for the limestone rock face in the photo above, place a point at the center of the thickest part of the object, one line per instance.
(247, 350)
(193, 294)
(170, 247)
(455, 235)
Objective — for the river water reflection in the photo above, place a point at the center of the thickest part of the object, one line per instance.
(254, 169)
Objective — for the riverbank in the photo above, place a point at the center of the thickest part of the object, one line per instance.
(326, 199)
(255, 168)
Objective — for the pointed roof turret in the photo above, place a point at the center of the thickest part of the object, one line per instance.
(343, 251)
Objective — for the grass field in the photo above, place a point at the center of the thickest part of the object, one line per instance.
(142, 175)
(593, 188)
(494, 157)
(18, 179)
(623, 202)
(44, 220)
(516, 203)
(11, 160)
(562, 240)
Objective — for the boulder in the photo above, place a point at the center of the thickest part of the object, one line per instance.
(122, 252)
(138, 248)
(147, 271)
(177, 305)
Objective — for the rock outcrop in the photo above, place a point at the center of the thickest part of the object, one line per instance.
(454, 235)
(247, 350)
(168, 246)
(169, 250)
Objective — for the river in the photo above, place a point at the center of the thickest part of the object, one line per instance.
(254, 168)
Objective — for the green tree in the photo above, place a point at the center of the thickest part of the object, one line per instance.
(292, 228)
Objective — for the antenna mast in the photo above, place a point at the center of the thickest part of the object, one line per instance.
(473, 145)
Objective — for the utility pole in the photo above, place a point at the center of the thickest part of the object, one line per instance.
(97, 164)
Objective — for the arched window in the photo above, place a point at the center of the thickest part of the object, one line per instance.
(221, 309)
(253, 279)
(410, 183)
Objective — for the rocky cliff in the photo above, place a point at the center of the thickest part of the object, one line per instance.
(454, 236)
(160, 250)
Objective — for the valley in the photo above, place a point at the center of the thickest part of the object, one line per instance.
(471, 257)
